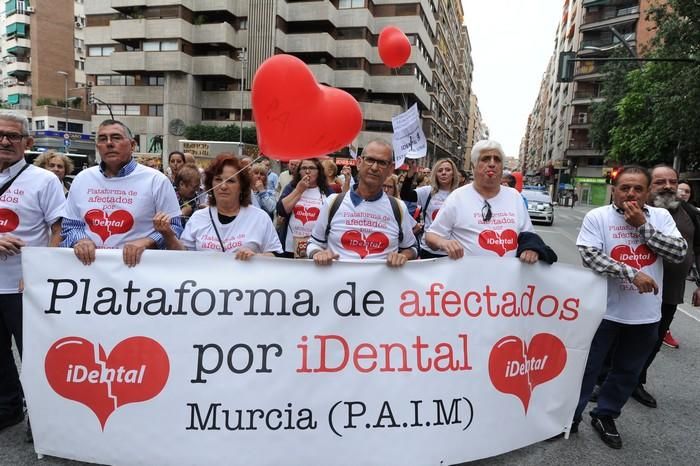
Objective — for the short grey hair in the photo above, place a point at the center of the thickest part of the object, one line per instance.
(381, 142)
(486, 144)
(9, 115)
(124, 127)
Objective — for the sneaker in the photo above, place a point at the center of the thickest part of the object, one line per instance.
(11, 419)
(643, 396)
(670, 341)
(605, 426)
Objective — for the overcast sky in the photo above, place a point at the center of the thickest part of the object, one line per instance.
(512, 41)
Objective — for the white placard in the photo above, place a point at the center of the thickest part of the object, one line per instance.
(408, 139)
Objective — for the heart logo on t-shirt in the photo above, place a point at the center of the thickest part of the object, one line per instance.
(136, 370)
(356, 241)
(499, 242)
(104, 226)
(9, 221)
(516, 368)
(637, 258)
(306, 214)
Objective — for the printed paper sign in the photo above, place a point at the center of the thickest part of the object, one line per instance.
(277, 361)
(408, 139)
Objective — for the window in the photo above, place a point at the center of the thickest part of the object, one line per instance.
(75, 127)
(155, 81)
(100, 51)
(103, 80)
(160, 45)
(243, 23)
(155, 110)
(345, 4)
(133, 110)
(40, 124)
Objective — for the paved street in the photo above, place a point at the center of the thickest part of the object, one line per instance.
(667, 435)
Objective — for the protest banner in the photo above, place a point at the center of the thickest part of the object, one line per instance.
(408, 138)
(196, 358)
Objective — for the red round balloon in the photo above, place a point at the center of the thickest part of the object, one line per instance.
(297, 118)
(394, 47)
(518, 180)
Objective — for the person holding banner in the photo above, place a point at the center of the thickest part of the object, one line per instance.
(486, 219)
(112, 205)
(230, 224)
(628, 242)
(31, 201)
(444, 178)
(365, 223)
(299, 206)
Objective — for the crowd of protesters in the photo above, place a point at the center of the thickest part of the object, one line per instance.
(313, 211)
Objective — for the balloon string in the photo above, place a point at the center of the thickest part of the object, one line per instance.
(224, 181)
(403, 96)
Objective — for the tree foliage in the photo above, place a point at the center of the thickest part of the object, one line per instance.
(220, 133)
(658, 114)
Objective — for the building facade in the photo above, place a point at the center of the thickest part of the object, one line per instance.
(42, 71)
(161, 66)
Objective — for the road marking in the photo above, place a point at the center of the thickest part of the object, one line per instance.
(686, 312)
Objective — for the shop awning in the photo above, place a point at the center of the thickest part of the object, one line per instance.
(13, 99)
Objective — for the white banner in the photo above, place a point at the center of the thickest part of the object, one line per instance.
(408, 139)
(196, 358)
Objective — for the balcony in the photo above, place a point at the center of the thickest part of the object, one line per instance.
(604, 18)
(588, 71)
(582, 149)
(606, 43)
(151, 61)
(20, 69)
(18, 46)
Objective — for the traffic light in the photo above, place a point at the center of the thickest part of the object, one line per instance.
(565, 71)
(612, 175)
(90, 95)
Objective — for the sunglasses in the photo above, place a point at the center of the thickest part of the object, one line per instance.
(486, 213)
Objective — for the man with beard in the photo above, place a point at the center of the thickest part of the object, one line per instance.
(663, 193)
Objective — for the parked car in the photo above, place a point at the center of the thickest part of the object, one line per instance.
(539, 206)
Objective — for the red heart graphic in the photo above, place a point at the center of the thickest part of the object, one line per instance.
(136, 370)
(295, 116)
(517, 369)
(499, 242)
(9, 221)
(637, 258)
(118, 222)
(306, 215)
(435, 212)
(354, 240)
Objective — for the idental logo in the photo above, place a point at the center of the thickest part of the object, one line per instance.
(136, 370)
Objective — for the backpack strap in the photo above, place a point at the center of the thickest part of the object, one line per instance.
(397, 215)
(333, 208)
(427, 203)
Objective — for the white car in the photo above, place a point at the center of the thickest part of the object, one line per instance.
(539, 206)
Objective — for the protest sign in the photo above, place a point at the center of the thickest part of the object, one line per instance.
(408, 139)
(196, 358)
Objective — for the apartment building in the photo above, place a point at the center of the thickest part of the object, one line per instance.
(42, 71)
(160, 66)
(476, 128)
(561, 117)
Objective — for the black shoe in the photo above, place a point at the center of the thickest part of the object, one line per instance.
(643, 396)
(605, 426)
(594, 394)
(11, 419)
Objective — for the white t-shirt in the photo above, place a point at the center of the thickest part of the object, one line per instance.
(366, 231)
(429, 212)
(605, 229)
(28, 208)
(251, 228)
(304, 216)
(120, 209)
(460, 218)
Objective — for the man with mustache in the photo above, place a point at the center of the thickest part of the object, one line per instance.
(627, 242)
(663, 194)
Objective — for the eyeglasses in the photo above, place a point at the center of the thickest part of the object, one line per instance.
(12, 137)
(380, 163)
(115, 138)
(308, 169)
(486, 213)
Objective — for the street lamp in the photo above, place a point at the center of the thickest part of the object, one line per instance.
(65, 103)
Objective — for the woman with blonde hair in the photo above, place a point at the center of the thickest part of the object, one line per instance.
(261, 196)
(57, 163)
(444, 178)
(333, 181)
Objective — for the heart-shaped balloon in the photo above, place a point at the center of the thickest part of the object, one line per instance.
(394, 47)
(297, 118)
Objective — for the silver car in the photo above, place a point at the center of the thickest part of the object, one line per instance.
(539, 206)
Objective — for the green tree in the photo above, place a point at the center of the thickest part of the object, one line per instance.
(658, 117)
(221, 133)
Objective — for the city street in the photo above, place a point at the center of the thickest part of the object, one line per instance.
(667, 435)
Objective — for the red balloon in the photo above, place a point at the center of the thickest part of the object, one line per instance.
(394, 47)
(298, 118)
(518, 180)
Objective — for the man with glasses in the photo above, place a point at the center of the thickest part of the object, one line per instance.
(484, 218)
(365, 223)
(112, 205)
(31, 201)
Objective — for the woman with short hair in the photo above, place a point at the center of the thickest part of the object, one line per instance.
(58, 164)
(261, 196)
